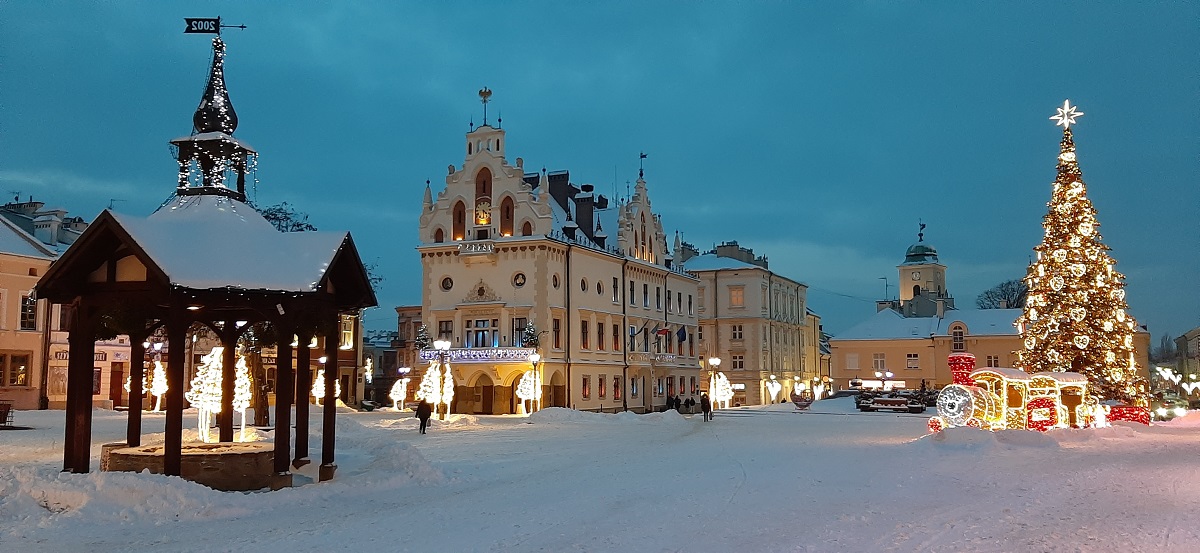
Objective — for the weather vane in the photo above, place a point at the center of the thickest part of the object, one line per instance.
(1066, 115)
(208, 25)
(484, 95)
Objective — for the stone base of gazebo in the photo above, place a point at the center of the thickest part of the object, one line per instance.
(222, 466)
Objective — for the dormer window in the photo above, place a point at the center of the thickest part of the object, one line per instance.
(958, 340)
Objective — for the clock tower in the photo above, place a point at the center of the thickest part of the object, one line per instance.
(921, 276)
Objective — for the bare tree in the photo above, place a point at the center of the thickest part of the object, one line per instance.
(285, 217)
(1010, 293)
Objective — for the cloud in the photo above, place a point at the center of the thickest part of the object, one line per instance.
(55, 182)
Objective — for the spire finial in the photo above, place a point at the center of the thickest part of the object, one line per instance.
(484, 95)
(920, 231)
(215, 112)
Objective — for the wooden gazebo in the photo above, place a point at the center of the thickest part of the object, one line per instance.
(206, 257)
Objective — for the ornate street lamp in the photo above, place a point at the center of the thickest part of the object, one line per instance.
(446, 380)
(884, 376)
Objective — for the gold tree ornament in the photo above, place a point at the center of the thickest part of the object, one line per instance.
(1076, 320)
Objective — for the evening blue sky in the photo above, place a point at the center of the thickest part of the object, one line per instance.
(816, 133)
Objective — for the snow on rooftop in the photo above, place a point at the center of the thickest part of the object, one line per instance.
(16, 241)
(890, 325)
(210, 241)
(712, 262)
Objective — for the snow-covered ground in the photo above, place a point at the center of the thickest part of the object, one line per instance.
(756, 479)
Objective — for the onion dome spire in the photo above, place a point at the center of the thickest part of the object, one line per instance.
(215, 112)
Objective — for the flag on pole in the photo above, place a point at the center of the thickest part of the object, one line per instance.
(681, 335)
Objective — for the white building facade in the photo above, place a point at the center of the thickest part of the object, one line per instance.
(502, 249)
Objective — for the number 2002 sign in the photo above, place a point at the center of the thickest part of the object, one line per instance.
(202, 25)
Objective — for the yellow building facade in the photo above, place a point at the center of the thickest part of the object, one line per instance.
(503, 250)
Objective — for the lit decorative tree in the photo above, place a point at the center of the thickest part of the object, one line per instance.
(530, 387)
(205, 394)
(430, 389)
(1074, 318)
(530, 338)
(318, 387)
(721, 390)
(422, 341)
(242, 392)
(158, 384)
(399, 392)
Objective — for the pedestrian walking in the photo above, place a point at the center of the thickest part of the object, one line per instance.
(706, 407)
(424, 410)
(678, 404)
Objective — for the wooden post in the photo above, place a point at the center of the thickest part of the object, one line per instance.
(303, 381)
(77, 449)
(229, 336)
(137, 371)
(329, 415)
(285, 389)
(173, 446)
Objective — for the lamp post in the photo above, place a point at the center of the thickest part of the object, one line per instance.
(884, 376)
(537, 381)
(714, 363)
(443, 350)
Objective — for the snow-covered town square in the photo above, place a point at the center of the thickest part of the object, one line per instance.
(622, 276)
(756, 479)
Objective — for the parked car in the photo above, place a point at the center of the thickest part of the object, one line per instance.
(1165, 406)
(849, 392)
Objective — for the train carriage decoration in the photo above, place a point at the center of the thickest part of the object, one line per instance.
(994, 398)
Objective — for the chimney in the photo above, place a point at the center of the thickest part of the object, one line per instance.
(584, 210)
(561, 189)
(941, 308)
(1003, 304)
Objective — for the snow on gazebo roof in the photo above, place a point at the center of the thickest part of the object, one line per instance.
(210, 241)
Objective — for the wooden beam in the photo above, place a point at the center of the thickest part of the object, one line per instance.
(329, 415)
(81, 344)
(229, 338)
(303, 381)
(285, 390)
(176, 353)
(137, 369)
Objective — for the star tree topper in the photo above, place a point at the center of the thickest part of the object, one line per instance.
(1066, 115)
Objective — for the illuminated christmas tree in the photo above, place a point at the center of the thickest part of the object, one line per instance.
(205, 394)
(399, 392)
(1074, 318)
(721, 390)
(158, 384)
(430, 389)
(241, 392)
(529, 388)
(318, 388)
(422, 341)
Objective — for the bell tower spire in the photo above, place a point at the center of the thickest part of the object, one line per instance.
(211, 152)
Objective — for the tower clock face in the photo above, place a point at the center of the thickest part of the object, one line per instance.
(916, 275)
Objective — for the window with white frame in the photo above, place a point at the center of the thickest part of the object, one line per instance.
(739, 362)
(958, 340)
(878, 361)
(14, 368)
(913, 361)
(736, 332)
(852, 361)
(993, 360)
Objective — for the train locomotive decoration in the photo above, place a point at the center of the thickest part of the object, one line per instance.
(996, 398)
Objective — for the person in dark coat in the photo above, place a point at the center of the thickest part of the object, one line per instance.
(689, 403)
(678, 404)
(706, 407)
(424, 410)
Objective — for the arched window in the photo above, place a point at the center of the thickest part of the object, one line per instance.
(506, 217)
(483, 185)
(916, 290)
(958, 340)
(439, 236)
(527, 229)
(468, 148)
(460, 220)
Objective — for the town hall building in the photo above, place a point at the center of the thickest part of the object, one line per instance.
(504, 249)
